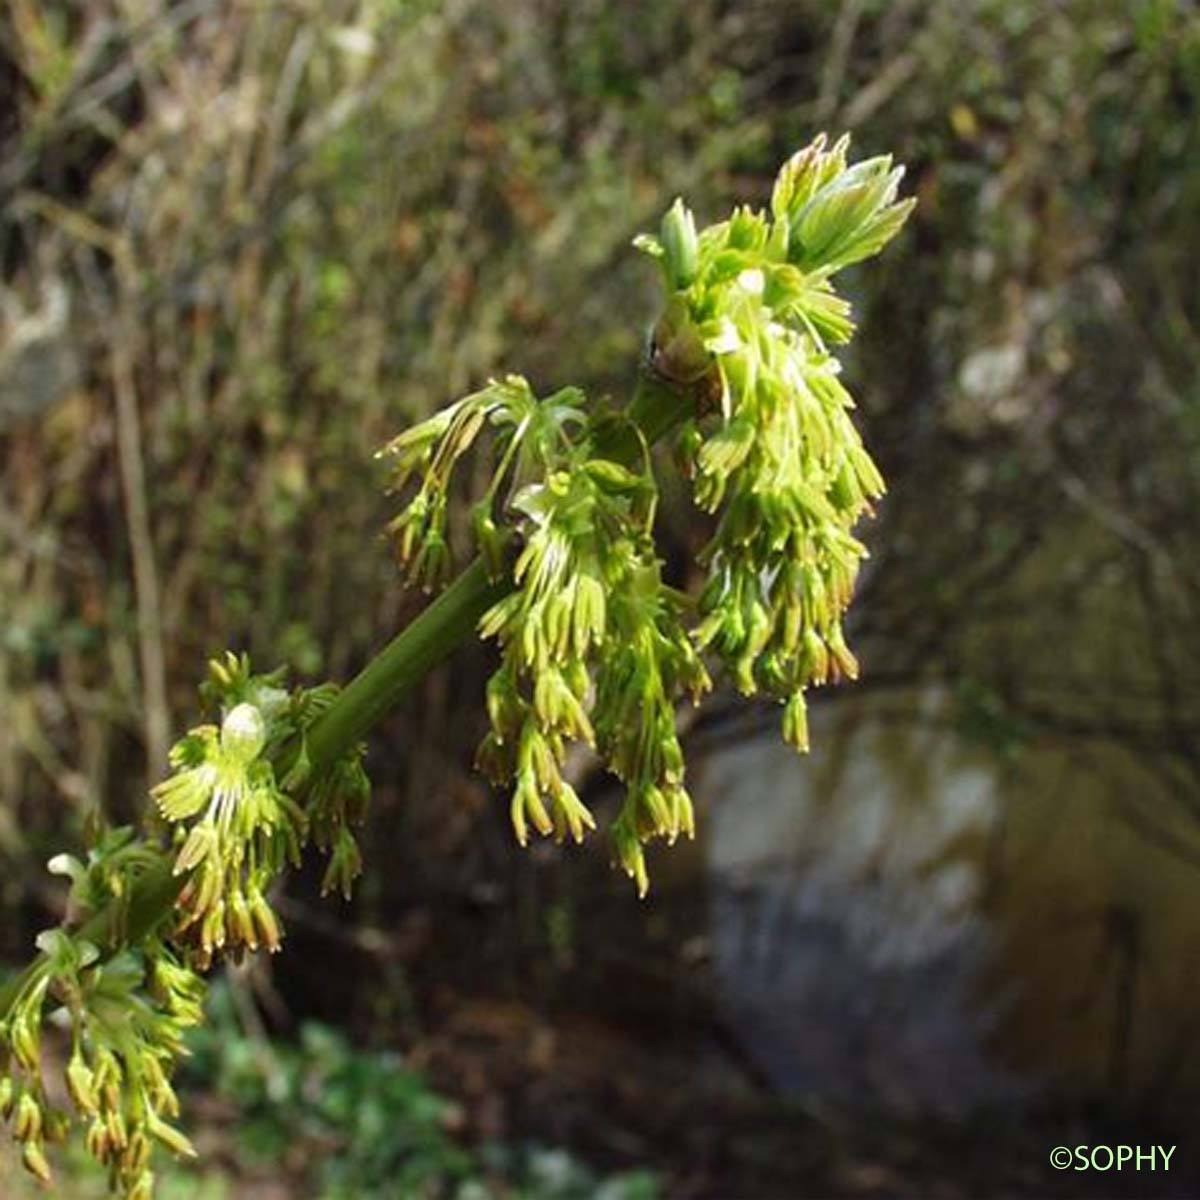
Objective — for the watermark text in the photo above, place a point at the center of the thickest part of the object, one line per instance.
(1112, 1158)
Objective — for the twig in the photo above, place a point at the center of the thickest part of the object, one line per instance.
(145, 571)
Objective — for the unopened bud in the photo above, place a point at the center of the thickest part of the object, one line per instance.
(143, 1188)
(489, 539)
(33, 1158)
(81, 1084)
(27, 1122)
(264, 921)
(243, 733)
(137, 1153)
(241, 926)
(118, 1137)
(97, 1141)
(172, 1138)
(795, 722)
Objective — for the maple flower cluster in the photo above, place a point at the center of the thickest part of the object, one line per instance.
(242, 801)
(126, 1018)
(595, 647)
(779, 458)
(239, 818)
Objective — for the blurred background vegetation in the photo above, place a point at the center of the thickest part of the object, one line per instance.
(242, 243)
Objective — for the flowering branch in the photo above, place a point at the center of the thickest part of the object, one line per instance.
(594, 646)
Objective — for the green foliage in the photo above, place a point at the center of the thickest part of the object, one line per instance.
(367, 1127)
(379, 1129)
(322, 1119)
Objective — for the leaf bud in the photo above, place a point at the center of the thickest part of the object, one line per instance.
(677, 236)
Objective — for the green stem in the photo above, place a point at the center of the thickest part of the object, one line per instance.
(449, 621)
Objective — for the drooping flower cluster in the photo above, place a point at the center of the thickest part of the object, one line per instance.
(242, 801)
(780, 459)
(238, 824)
(593, 650)
(592, 646)
(126, 1018)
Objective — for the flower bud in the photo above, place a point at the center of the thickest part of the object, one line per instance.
(243, 733)
(815, 658)
(201, 842)
(114, 1123)
(27, 1121)
(489, 539)
(137, 1155)
(657, 813)
(795, 722)
(172, 1138)
(265, 921)
(869, 478)
(844, 492)
(527, 802)
(33, 1159)
(97, 1140)
(81, 1083)
(240, 925)
(683, 818)
(212, 930)
(108, 1074)
(571, 814)
(630, 854)
(143, 1188)
(345, 865)
(24, 1042)
(847, 664)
